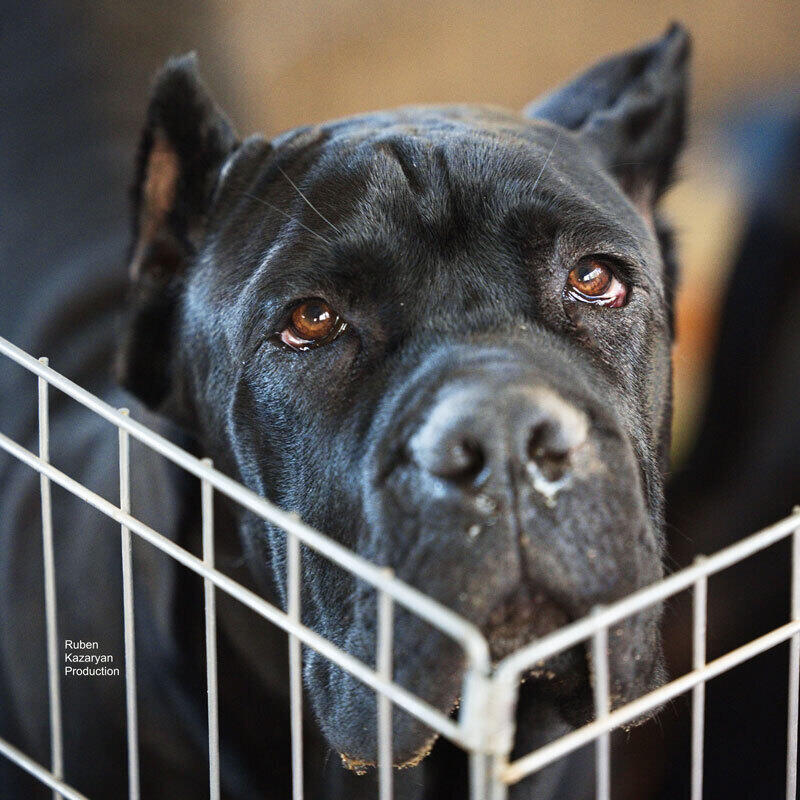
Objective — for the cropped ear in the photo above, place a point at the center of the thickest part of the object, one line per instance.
(631, 110)
(185, 141)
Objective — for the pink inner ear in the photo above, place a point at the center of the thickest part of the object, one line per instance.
(160, 185)
(158, 196)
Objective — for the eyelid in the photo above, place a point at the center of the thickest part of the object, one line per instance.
(280, 311)
(303, 345)
(616, 296)
(624, 268)
(619, 265)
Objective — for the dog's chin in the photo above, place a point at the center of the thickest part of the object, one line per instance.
(347, 709)
(412, 743)
(564, 680)
(568, 681)
(432, 667)
(361, 766)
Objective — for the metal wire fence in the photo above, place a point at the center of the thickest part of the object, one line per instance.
(485, 726)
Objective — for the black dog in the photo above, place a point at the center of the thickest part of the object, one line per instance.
(442, 336)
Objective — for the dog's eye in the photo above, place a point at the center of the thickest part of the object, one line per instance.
(593, 281)
(312, 324)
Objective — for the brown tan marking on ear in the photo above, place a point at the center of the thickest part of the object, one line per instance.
(158, 195)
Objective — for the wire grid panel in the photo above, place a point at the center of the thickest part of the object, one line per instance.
(595, 628)
(465, 731)
(485, 725)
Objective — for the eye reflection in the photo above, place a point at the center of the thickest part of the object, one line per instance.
(312, 323)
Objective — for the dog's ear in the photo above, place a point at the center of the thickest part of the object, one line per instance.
(631, 109)
(184, 144)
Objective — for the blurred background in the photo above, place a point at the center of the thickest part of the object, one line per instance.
(276, 65)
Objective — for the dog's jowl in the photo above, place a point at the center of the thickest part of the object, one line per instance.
(441, 335)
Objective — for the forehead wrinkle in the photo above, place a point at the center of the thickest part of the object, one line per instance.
(407, 154)
(338, 276)
(411, 165)
(592, 206)
(244, 308)
(462, 164)
(502, 170)
(508, 188)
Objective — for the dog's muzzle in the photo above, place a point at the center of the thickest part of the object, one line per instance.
(501, 485)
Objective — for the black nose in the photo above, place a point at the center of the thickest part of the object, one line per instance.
(473, 431)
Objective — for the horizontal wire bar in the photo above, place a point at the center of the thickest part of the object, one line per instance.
(540, 758)
(400, 696)
(38, 771)
(426, 607)
(512, 666)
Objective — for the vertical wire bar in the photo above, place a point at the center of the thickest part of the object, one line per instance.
(794, 675)
(295, 663)
(700, 622)
(128, 617)
(384, 664)
(207, 512)
(496, 788)
(51, 622)
(501, 712)
(601, 708)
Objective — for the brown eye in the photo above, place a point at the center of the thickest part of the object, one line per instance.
(312, 323)
(590, 278)
(592, 281)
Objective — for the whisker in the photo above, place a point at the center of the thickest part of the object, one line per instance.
(308, 202)
(288, 216)
(546, 162)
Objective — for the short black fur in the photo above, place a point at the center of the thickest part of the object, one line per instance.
(429, 436)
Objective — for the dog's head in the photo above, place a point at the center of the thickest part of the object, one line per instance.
(442, 336)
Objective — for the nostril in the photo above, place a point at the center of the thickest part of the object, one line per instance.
(547, 450)
(448, 449)
(461, 460)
